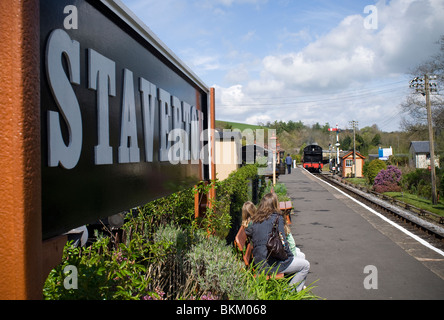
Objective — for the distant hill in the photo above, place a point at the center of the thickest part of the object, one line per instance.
(293, 136)
(220, 124)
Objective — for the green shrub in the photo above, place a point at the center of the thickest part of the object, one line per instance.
(419, 182)
(163, 253)
(279, 188)
(373, 169)
(103, 274)
(262, 288)
(217, 269)
(231, 194)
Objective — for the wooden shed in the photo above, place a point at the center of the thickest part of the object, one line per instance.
(347, 165)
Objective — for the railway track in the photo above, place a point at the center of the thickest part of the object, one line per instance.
(426, 225)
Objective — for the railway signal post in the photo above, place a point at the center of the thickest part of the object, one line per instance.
(337, 130)
(354, 124)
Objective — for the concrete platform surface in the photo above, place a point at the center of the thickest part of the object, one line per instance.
(354, 254)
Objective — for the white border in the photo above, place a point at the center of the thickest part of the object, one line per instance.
(423, 242)
(136, 24)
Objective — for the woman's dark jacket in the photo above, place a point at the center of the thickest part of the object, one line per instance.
(259, 233)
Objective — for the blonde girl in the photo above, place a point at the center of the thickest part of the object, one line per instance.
(248, 212)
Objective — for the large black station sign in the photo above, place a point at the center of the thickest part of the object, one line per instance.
(123, 121)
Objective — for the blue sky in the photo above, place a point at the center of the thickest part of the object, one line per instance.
(314, 61)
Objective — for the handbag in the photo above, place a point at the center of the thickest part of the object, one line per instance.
(275, 243)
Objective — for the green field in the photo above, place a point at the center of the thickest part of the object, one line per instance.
(236, 125)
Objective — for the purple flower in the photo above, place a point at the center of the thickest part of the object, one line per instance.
(388, 180)
(209, 296)
(155, 296)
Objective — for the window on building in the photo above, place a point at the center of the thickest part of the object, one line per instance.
(349, 163)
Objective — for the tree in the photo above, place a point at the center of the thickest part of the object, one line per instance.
(376, 140)
(415, 117)
(325, 128)
(316, 126)
(361, 145)
(346, 142)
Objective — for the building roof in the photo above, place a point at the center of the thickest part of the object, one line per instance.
(351, 153)
(420, 146)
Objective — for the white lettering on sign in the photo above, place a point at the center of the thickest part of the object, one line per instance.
(61, 46)
(165, 116)
(149, 99)
(179, 122)
(195, 134)
(128, 150)
(102, 77)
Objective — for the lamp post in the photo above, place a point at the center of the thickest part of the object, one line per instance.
(425, 87)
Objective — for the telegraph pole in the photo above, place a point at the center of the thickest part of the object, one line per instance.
(354, 124)
(431, 140)
(425, 87)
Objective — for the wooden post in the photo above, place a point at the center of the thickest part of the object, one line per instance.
(431, 140)
(201, 201)
(20, 170)
(212, 193)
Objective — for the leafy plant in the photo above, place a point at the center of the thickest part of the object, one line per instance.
(102, 274)
(216, 269)
(263, 288)
(280, 189)
(419, 182)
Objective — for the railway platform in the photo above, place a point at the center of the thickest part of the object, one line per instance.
(353, 253)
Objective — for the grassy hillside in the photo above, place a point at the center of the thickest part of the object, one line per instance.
(236, 125)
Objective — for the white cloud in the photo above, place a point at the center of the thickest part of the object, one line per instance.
(258, 118)
(237, 74)
(349, 56)
(234, 100)
(351, 52)
(219, 4)
(261, 68)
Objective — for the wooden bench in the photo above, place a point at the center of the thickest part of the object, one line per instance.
(286, 207)
(240, 241)
(270, 176)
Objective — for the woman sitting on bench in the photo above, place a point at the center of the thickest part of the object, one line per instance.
(259, 231)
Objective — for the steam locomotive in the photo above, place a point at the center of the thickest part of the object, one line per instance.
(312, 159)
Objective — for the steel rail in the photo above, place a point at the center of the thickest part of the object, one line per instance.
(417, 219)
